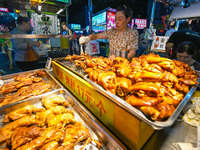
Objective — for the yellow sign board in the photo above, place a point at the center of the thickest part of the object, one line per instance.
(96, 103)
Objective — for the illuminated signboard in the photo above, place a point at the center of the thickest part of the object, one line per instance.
(132, 23)
(110, 20)
(99, 22)
(99, 19)
(141, 23)
(3, 9)
(65, 1)
(75, 26)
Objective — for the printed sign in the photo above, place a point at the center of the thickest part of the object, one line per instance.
(94, 101)
(159, 43)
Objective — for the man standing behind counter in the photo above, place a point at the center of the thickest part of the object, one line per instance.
(20, 44)
(121, 37)
(184, 34)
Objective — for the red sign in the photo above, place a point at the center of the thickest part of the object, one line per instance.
(141, 23)
(3, 9)
(110, 20)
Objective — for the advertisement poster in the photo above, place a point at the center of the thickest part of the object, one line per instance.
(44, 24)
(110, 20)
(141, 23)
(159, 43)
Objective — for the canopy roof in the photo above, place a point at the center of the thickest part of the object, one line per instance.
(185, 13)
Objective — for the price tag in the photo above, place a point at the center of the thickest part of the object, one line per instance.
(48, 63)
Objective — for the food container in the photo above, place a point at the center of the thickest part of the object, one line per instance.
(157, 125)
(117, 53)
(80, 114)
(126, 126)
(49, 78)
(124, 53)
(70, 65)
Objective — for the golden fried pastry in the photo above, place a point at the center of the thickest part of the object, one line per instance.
(123, 85)
(59, 121)
(107, 80)
(25, 111)
(44, 115)
(6, 131)
(54, 101)
(23, 135)
(50, 146)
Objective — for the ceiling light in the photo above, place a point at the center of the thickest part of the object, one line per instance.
(39, 7)
(59, 11)
(186, 4)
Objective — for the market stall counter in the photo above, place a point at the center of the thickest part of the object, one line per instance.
(126, 122)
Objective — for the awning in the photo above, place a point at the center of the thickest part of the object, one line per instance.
(183, 13)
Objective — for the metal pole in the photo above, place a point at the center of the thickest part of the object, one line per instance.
(90, 15)
(67, 15)
(152, 13)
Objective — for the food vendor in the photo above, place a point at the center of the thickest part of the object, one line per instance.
(20, 44)
(186, 52)
(122, 37)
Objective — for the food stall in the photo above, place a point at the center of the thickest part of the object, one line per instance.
(112, 121)
(111, 109)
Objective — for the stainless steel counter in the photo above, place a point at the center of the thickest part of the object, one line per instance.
(179, 132)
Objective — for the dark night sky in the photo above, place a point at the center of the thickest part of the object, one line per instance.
(77, 9)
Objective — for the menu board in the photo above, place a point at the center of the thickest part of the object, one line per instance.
(159, 43)
(110, 20)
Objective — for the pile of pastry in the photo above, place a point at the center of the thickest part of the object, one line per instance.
(153, 84)
(51, 127)
(24, 86)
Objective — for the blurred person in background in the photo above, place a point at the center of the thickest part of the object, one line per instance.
(186, 53)
(7, 47)
(121, 37)
(143, 43)
(171, 29)
(20, 44)
(67, 31)
(182, 35)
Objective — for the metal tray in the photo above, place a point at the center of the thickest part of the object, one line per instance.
(71, 66)
(9, 78)
(79, 114)
(157, 125)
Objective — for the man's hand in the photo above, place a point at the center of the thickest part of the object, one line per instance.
(84, 40)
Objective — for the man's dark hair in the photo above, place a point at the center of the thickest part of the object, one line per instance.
(63, 23)
(172, 25)
(184, 25)
(21, 19)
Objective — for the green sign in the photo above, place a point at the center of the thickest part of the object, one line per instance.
(64, 1)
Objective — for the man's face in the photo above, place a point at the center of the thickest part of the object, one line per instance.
(64, 27)
(27, 26)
